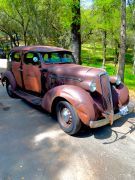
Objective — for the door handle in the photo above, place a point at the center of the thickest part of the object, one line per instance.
(31, 75)
(44, 70)
(19, 69)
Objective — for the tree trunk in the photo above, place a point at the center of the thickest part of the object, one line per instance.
(116, 52)
(121, 63)
(134, 42)
(25, 38)
(75, 30)
(12, 41)
(11, 44)
(104, 34)
(134, 57)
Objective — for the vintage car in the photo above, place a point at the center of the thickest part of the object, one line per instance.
(49, 77)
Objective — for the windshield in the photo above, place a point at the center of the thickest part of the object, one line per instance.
(58, 57)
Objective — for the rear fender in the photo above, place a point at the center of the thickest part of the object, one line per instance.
(76, 96)
(8, 75)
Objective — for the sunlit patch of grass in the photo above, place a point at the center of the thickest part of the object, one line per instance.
(92, 56)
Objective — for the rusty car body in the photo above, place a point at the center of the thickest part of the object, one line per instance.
(49, 77)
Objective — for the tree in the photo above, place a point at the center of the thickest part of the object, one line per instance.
(17, 16)
(75, 30)
(106, 21)
(131, 4)
(86, 25)
(121, 63)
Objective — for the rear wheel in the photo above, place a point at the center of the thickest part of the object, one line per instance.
(68, 118)
(9, 89)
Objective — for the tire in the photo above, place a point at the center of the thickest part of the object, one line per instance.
(9, 89)
(68, 118)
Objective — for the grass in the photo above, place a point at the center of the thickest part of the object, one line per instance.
(92, 56)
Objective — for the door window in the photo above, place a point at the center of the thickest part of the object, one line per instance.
(15, 57)
(31, 58)
(16, 66)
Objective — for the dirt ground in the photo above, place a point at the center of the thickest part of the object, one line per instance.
(33, 147)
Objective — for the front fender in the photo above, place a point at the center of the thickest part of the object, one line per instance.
(8, 75)
(78, 97)
(120, 95)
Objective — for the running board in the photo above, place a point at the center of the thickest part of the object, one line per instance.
(28, 97)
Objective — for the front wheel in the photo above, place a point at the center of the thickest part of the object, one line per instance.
(9, 89)
(68, 118)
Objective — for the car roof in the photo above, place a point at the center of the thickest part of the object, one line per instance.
(39, 49)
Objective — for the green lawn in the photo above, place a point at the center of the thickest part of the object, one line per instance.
(92, 56)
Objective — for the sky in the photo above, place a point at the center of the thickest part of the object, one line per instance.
(86, 3)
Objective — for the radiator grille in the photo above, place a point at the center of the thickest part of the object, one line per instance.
(106, 93)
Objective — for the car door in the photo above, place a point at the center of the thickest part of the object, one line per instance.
(16, 67)
(31, 72)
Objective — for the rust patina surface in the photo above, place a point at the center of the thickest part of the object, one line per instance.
(45, 75)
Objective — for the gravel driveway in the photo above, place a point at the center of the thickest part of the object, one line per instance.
(33, 147)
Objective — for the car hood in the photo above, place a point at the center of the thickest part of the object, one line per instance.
(73, 70)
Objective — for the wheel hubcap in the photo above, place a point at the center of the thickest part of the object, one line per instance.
(66, 115)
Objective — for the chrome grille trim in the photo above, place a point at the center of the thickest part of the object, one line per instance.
(106, 94)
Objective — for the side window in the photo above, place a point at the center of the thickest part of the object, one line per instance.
(31, 58)
(15, 57)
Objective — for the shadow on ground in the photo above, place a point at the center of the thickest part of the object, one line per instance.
(106, 132)
(31, 143)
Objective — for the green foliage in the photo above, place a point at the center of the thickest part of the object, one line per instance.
(92, 56)
(105, 14)
(44, 22)
(48, 22)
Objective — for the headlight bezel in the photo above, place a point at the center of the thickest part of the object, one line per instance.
(115, 80)
(118, 80)
(92, 86)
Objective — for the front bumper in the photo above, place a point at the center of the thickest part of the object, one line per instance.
(102, 122)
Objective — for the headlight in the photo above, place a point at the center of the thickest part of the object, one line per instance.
(118, 80)
(92, 86)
